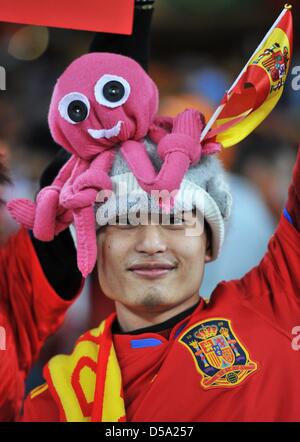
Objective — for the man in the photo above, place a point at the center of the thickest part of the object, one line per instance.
(167, 355)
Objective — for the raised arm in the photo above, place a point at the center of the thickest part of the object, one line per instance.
(273, 287)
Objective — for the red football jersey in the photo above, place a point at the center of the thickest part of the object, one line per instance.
(236, 358)
(231, 360)
(30, 311)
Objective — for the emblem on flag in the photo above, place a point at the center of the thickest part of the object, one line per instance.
(219, 355)
(275, 61)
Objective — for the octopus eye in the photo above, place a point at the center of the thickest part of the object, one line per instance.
(112, 91)
(74, 107)
(77, 111)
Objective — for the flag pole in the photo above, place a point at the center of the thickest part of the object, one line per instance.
(287, 7)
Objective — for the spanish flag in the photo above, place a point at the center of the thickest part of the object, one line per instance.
(257, 89)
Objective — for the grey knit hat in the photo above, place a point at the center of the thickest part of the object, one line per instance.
(204, 186)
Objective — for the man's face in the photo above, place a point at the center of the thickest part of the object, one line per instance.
(154, 267)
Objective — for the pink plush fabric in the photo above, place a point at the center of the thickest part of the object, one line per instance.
(103, 101)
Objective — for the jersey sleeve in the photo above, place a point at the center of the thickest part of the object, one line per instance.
(282, 260)
(292, 210)
(274, 285)
(30, 311)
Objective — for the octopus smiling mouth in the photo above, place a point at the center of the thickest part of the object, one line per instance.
(106, 133)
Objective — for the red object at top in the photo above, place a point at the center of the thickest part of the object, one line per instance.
(92, 15)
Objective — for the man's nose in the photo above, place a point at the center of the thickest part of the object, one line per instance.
(150, 240)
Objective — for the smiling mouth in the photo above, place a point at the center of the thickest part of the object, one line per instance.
(106, 133)
(152, 271)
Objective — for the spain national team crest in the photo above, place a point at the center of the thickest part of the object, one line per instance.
(219, 355)
(275, 60)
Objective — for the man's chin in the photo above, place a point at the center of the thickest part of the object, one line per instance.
(154, 298)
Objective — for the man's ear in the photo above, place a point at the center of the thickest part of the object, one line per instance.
(208, 253)
(208, 244)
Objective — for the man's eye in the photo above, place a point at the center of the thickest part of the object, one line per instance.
(176, 220)
(123, 222)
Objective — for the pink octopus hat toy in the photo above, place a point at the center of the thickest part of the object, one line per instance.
(100, 103)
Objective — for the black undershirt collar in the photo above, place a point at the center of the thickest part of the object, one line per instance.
(168, 324)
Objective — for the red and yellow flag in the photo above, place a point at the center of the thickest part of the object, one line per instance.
(257, 89)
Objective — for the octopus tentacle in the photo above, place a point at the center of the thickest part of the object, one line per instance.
(41, 215)
(22, 211)
(168, 178)
(85, 224)
(178, 150)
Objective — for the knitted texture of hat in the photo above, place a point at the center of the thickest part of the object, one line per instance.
(205, 180)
